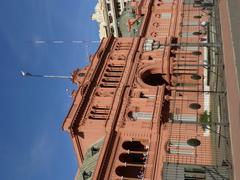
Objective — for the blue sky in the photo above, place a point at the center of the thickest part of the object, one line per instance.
(32, 144)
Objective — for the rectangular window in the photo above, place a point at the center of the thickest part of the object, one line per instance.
(181, 151)
(110, 19)
(115, 69)
(186, 84)
(194, 169)
(178, 171)
(99, 112)
(142, 95)
(142, 116)
(185, 117)
(108, 85)
(113, 74)
(186, 34)
(111, 79)
(190, 23)
(188, 1)
(192, 48)
(194, 173)
(166, 15)
(118, 9)
(166, 1)
(183, 144)
(193, 178)
(108, 7)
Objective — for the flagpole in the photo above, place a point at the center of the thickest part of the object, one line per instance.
(27, 74)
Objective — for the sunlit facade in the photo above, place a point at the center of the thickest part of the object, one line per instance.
(107, 13)
(152, 105)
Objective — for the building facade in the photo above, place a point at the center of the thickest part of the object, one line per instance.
(146, 105)
(106, 14)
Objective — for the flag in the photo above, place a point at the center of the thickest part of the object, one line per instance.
(26, 73)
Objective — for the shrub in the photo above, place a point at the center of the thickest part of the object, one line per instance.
(205, 119)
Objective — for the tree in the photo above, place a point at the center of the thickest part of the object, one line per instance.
(205, 119)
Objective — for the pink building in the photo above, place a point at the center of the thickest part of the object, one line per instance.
(142, 109)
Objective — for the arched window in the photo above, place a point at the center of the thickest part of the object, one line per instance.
(112, 29)
(130, 171)
(81, 74)
(95, 150)
(153, 77)
(110, 19)
(150, 58)
(133, 158)
(86, 175)
(134, 146)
